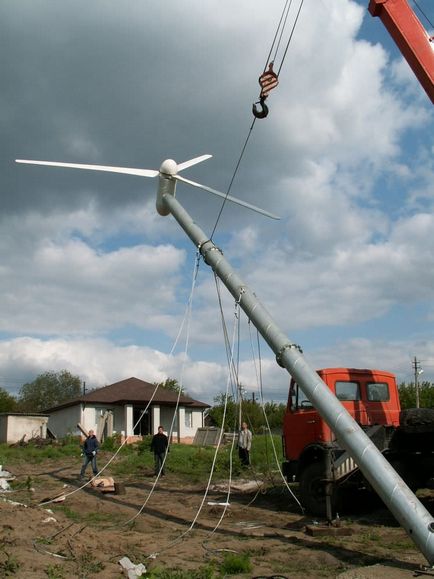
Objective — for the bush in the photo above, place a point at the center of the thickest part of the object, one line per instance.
(144, 446)
(112, 442)
(234, 564)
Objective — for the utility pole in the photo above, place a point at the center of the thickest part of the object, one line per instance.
(240, 402)
(84, 388)
(417, 371)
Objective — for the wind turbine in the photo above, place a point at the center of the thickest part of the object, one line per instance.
(397, 496)
(168, 176)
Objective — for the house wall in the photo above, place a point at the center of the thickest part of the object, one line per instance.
(18, 426)
(64, 422)
(189, 421)
(166, 417)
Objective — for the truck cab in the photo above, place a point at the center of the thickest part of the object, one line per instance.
(372, 399)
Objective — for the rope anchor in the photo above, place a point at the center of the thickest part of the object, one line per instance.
(268, 80)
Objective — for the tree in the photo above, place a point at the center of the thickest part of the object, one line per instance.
(407, 395)
(216, 412)
(8, 403)
(49, 389)
(170, 384)
(251, 412)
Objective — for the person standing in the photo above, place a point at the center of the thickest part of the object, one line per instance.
(244, 444)
(159, 445)
(90, 450)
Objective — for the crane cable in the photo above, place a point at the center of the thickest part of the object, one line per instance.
(175, 412)
(276, 41)
(230, 373)
(425, 16)
(258, 371)
(187, 313)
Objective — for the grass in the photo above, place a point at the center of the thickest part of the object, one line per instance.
(55, 572)
(192, 462)
(206, 572)
(9, 565)
(232, 564)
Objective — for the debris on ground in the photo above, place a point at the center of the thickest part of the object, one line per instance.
(56, 499)
(130, 570)
(241, 486)
(104, 484)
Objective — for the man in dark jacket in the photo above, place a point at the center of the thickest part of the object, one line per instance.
(158, 446)
(90, 449)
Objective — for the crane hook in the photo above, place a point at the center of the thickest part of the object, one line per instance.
(260, 113)
(268, 80)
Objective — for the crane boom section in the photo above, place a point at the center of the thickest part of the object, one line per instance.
(411, 38)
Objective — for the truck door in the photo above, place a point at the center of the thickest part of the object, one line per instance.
(302, 423)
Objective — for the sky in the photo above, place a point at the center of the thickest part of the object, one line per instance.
(94, 281)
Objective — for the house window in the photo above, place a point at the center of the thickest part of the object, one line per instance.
(189, 419)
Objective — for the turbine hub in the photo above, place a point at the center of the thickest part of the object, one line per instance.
(169, 167)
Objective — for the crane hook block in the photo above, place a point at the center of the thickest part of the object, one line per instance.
(268, 80)
(263, 111)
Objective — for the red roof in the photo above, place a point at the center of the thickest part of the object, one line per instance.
(133, 391)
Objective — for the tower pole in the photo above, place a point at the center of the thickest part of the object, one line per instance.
(401, 501)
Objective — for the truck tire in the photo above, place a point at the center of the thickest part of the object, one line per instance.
(312, 489)
(415, 420)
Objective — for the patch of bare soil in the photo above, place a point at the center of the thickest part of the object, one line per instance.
(86, 535)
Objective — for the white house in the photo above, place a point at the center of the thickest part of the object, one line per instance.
(124, 402)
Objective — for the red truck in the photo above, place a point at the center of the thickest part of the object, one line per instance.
(316, 459)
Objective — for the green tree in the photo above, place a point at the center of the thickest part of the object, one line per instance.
(216, 412)
(251, 412)
(170, 384)
(49, 389)
(8, 403)
(407, 395)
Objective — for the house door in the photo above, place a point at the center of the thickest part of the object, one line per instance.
(140, 428)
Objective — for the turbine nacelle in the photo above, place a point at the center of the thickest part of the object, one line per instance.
(168, 176)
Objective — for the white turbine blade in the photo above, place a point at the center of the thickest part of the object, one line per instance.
(192, 162)
(227, 197)
(124, 170)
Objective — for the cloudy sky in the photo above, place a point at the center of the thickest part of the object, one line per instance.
(94, 281)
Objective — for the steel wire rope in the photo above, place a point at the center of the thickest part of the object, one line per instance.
(258, 373)
(228, 494)
(243, 149)
(285, 8)
(175, 412)
(290, 37)
(423, 13)
(199, 510)
(232, 178)
(186, 314)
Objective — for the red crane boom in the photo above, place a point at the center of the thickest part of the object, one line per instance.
(411, 38)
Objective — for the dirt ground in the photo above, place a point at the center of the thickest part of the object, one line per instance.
(86, 535)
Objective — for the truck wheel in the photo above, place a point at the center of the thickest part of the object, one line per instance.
(417, 420)
(312, 490)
